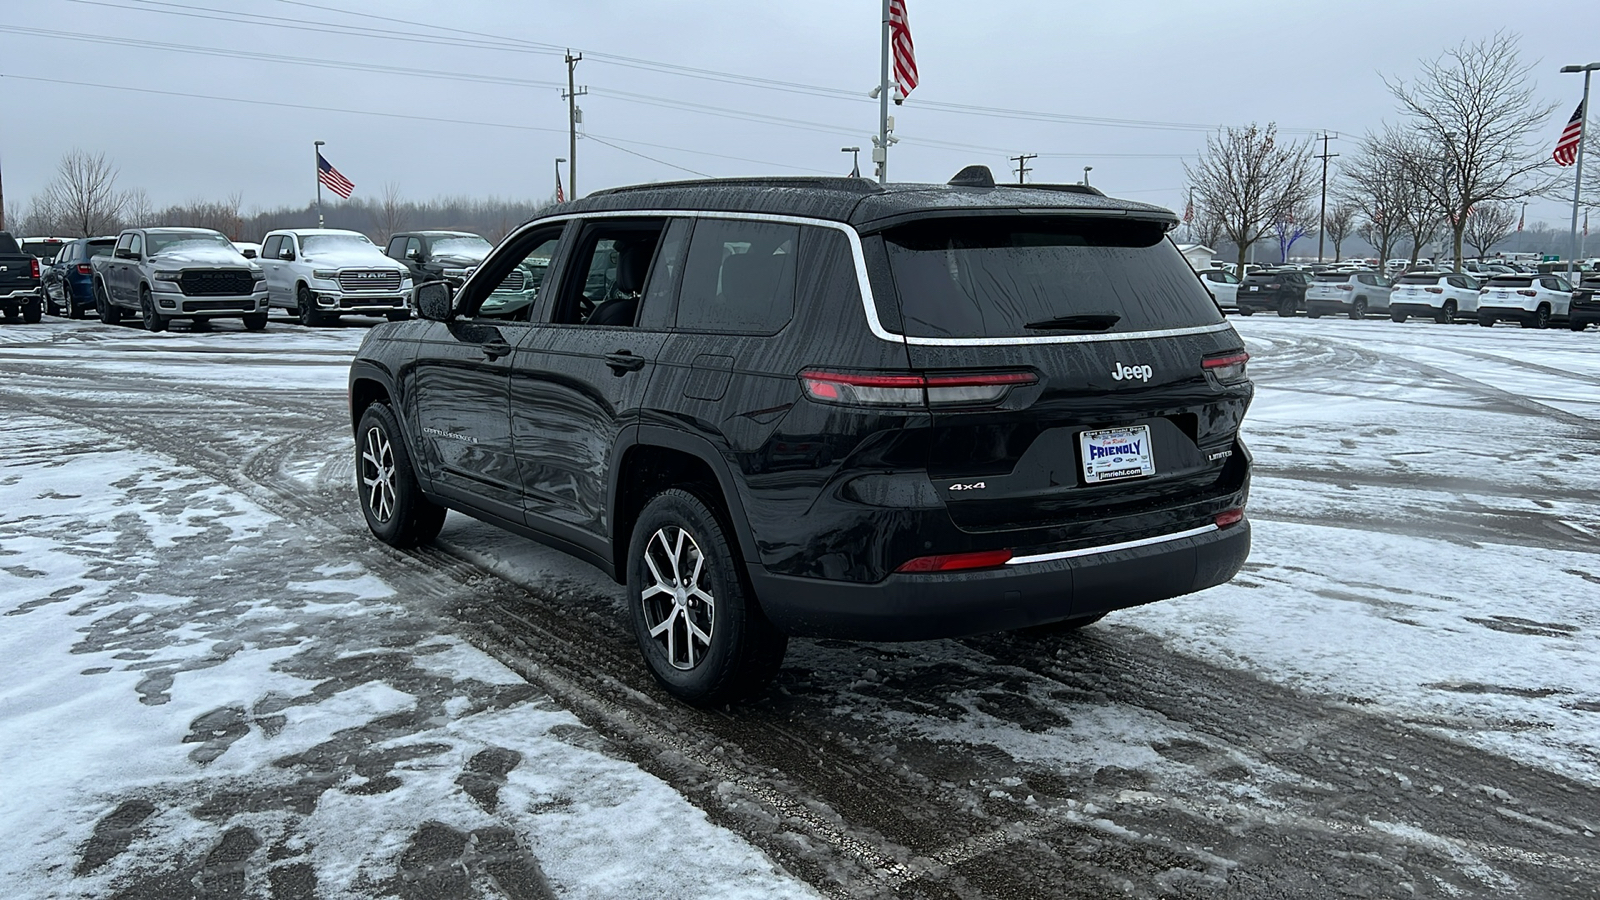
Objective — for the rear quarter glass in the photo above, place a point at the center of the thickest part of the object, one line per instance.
(990, 277)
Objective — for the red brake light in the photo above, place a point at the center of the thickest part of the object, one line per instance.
(1227, 367)
(911, 390)
(1229, 517)
(85, 269)
(1529, 293)
(34, 267)
(1345, 287)
(1434, 290)
(957, 562)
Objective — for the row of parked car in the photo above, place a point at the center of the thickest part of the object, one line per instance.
(162, 274)
(1531, 299)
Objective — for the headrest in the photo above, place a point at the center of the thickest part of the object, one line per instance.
(633, 265)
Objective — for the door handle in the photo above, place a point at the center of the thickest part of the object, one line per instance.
(495, 349)
(622, 362)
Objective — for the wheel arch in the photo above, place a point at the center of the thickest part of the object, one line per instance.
(653, 458)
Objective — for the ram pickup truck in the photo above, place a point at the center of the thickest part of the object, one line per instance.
(438, 255)
(19, 282)
(323, 273)
(178, 273)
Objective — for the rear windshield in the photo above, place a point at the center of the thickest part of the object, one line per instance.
(994, 277)
(1420, 279)
(101, 248)
(44, 250)
(1337, 277)
(1511, 281)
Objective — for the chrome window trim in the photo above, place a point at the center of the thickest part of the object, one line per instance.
(868, 302)
(1111, 548)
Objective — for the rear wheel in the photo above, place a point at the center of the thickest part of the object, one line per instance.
(1486, 321)
(1577, 324)
(1286, 308)
(153, 320)
(394, 506)
(1358, 309)
(306, 307)
(703, 637)
(1396, 315)
(1447, 314)
(1246, 311)
(73, 310)
(33, 311)
(399, 315)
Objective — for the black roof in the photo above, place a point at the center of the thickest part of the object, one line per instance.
(856, 201)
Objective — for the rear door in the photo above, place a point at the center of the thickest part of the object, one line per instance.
(579, 379)
(1116, 417)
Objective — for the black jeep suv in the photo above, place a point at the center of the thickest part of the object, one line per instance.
(825, 407)
(1283, 290)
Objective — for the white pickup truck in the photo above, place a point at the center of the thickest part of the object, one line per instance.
(322, 273)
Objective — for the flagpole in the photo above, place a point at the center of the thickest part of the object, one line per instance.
(316, 168)
(883, 103)
(1577, 180)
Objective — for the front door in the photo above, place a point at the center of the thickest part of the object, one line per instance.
(459, 385)
(580, 379)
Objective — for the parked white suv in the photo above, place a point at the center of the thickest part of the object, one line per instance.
(1224, 286)
(321, 273)
(1532, 301)
(1348, 293)
(1440, 296)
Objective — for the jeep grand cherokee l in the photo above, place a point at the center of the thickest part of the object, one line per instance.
(825, 407)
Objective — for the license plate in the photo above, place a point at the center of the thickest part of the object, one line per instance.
(1253, 287)
(1112, 454)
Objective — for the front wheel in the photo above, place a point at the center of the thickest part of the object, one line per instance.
(109, 314)
(306, 307)
(703, 637)
(393, 504)
(255, 321)
(153, 320)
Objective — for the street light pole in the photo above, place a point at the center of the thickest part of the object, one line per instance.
(855, 160)
(1086, 171)
(560, 198)
(317, 168)
(1577, 180)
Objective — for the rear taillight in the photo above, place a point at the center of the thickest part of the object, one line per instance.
(1229, 517)
(34, 267)
(1529, 293)
(1227, 367)
(1434, 290)
(956, 562)
(85, 269)
(1345, 287)
(852, 389)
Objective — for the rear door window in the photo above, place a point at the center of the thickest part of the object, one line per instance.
(739, 277)
(1036, 276)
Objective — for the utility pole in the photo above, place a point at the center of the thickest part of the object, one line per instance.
(1021, 159)
(574, 116)
(2, 205)
(1322, 223)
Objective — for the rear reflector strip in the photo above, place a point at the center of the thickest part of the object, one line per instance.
(911, 390)
(1111, 548)
(956, 562)
(1229, 517)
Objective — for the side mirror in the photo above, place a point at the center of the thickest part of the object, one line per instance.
(286, 254)
(434, 301)
(249, 254)
(411, 253)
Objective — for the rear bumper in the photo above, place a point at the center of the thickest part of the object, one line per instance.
(924, 607)
(1258, 301)
(1415, 309)
(21, 294)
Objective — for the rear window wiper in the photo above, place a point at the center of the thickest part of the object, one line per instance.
(1083, 322)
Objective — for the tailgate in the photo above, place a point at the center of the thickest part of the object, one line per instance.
(16, 271)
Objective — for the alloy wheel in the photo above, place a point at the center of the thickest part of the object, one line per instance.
(378, 474)
(678, 609)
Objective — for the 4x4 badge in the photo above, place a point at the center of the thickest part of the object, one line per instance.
(975, 486)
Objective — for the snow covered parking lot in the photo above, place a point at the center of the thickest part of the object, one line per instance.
(216, 683)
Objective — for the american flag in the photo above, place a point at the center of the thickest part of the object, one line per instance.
(1567, 148)
(905, 57)
(1188, 213)
(561, 196)
(330, 176)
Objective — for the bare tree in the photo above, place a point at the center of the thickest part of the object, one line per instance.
(391, 213)
(1251, 181)
(84, 194)
(1478, 110)
(1489, 224)
(1301, 222)
(1375, 182)
(138, 211)
(1341, 222)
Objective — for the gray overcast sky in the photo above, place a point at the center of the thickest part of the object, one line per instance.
(1305, 66)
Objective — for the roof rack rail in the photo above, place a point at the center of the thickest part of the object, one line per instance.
(1063, 188)
(818, 182)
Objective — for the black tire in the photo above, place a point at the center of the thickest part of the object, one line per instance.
(1447, 313)
(110, 313)
(1246, 311)
(1065, 626)
(396, 510)
(50, 307)
(742, 651)
(1358, 309)
(1486, 321)
(306, 307)
(1577, 324)
(255, 321)
(74, 311)
(199, 325)
(1286, 308)
(1397, 316)
(399, 315)
(153, 320)
(33, 312)
(1312, 314)
(1541, 317)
